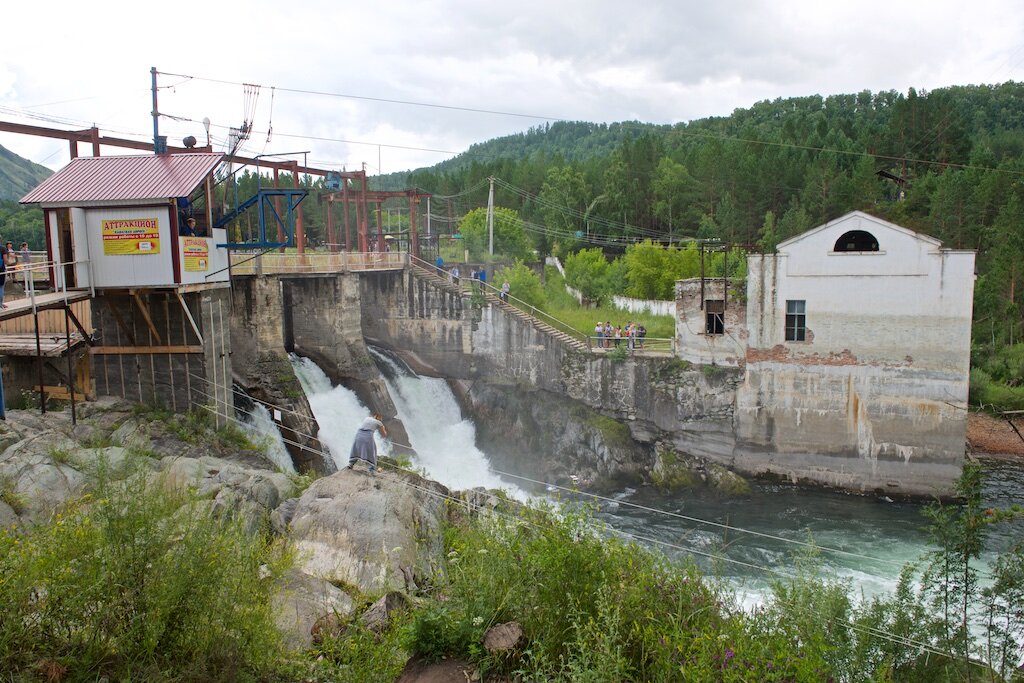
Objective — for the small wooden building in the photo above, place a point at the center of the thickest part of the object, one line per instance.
(117, 227)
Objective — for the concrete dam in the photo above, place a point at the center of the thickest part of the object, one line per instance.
(547, 406)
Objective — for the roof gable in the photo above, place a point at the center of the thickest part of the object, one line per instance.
(857, 218)
(105, 179)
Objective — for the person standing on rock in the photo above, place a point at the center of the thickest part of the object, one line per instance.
(364, 448)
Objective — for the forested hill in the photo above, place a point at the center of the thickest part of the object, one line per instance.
(948, 163)
(18, 175)
(556, 141)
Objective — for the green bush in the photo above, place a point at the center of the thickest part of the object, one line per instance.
(137, 582)
(986, 391)
(524, 285)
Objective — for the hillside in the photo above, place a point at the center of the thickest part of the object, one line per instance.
(558, 141)
(18, 175)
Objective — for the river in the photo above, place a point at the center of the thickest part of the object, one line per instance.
(746, 540)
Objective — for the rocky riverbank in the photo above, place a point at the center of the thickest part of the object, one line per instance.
(354, 534)
(994, 437)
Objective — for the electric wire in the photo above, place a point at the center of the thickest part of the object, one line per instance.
(603, 528)
(624, 124)
(597, 497)
(880, 633)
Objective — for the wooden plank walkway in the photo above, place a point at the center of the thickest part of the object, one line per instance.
(21, 307)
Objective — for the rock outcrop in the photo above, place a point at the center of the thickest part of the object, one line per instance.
(373, 531)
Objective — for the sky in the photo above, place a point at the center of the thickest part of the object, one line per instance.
(400, 85)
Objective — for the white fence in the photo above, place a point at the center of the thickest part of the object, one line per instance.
(652, 306)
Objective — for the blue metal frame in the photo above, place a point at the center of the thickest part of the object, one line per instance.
(263, 198)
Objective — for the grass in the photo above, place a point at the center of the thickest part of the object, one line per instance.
(561, 305)
(137, 582)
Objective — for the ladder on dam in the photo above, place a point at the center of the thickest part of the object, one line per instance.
(567, 337)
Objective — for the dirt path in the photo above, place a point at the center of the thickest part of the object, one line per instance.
(993, 436)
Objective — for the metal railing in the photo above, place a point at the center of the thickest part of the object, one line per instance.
(28, 275)
(251, 263)
(633, 345)
(469, 284)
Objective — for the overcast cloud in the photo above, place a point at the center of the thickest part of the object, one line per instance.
(66, 65)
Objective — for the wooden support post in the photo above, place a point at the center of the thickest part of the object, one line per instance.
(191, 320)
(71, 374)
(145, 315)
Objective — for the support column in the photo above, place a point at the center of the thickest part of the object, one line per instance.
(277, 210)
(300, 232)
(345, 200)
(414, 246)
(380, 226)
(332, 243)
(364, 220)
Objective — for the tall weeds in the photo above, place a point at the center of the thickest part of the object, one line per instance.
(139, 582)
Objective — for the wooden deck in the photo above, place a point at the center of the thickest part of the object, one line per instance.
(20, 307)
(51, 345)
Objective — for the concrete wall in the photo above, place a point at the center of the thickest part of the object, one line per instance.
(875, 396)
(693, 343)
(438, 331)
(261, 365)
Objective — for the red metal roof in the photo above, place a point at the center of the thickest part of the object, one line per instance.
(106, 179)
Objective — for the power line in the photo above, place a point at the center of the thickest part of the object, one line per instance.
(410, 103)
(597, 497)
(874, 631)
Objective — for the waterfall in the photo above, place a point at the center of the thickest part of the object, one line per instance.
(257, 423)
(336, 409)
(444, 442)
(261, 427)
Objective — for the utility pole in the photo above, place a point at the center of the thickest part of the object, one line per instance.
(428, 214)
(490, 217)
(156, 114)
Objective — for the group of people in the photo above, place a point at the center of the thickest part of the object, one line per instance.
(474, 274)
(606, 335)
(10, 262)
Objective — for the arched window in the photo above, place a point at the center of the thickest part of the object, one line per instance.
(857, 240)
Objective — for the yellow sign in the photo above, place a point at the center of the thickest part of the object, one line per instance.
(197, 254)
(131, 237)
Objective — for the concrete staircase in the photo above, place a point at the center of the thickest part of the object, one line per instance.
(430, 274)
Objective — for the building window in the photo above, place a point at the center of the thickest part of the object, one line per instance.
(714, 316)
(856, 240)
(796, 320)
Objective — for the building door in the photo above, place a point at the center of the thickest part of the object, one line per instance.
(67, 247)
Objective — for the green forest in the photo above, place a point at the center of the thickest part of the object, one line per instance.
(947, 162)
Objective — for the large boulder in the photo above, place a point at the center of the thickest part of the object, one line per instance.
(301, 601)
(375, 531)
(234, 489)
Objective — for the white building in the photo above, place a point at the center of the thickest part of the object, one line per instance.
(856, 360)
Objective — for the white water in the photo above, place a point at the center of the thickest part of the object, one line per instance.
(261, 426)
(444, 442)
(880, 535)
(336, 409)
